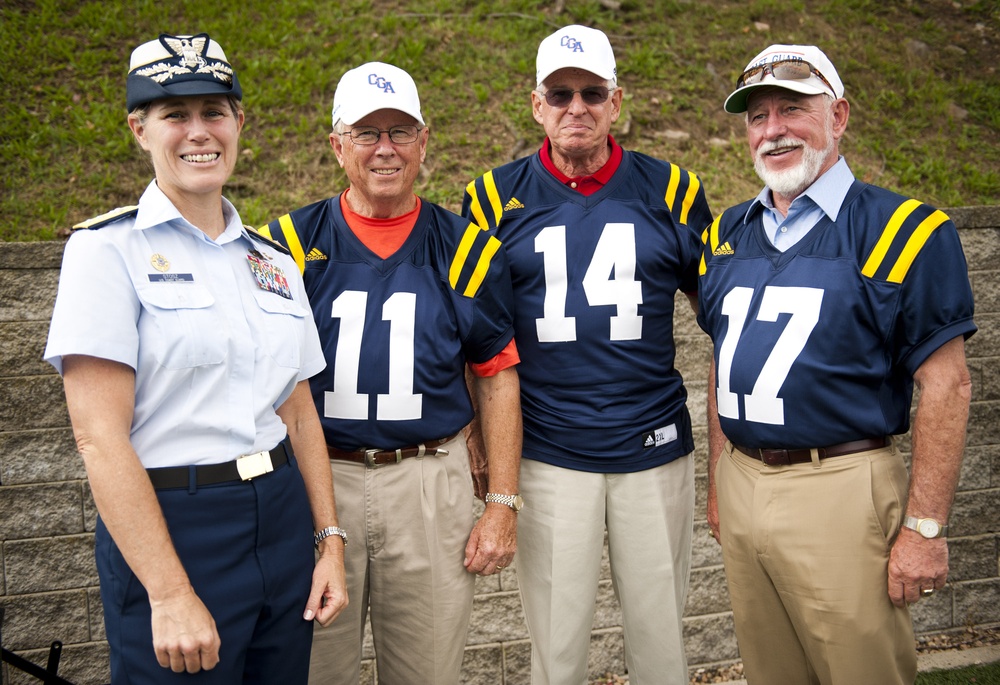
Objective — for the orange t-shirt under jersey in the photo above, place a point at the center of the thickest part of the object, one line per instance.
(384, 237)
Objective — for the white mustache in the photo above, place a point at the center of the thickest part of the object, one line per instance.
(772, 145)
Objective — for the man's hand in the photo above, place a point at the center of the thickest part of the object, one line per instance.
(493, 541)
(328, 596)
(184, 634)
(916, 564)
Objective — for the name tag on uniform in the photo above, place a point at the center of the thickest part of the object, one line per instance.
(269, 277)
(171, 278)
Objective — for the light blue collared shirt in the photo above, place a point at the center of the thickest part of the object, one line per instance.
(824, 197)
(215, 352)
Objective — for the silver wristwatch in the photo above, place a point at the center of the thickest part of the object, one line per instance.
(929, 528)
(515, 502)
(327, 532)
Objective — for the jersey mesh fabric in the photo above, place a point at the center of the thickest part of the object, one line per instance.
(398, 332)
(594, 280)
(818, 345)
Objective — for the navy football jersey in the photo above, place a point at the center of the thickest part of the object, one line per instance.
(397, 332)
(818, 345)
(594, 284)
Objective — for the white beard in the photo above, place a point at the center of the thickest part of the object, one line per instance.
(791, 182)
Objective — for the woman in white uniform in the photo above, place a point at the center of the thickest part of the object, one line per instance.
(186, 343)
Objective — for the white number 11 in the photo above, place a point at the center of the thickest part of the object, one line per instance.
(345, 402)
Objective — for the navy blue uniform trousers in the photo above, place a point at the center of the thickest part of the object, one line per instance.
(248, 550)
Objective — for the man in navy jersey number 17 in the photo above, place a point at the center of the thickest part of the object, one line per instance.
(827, 299)
(599, 239)
(405, 294)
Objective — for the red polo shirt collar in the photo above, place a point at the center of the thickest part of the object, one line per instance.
(587, 185)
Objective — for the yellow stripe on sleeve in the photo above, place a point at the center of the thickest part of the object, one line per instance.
(292, 238)
(494, 196)
(474, 206)
(462, 254)
(689, 198)
(888, 235)
(915, 244)
(709, 237)
(675, 179)
(482, 267)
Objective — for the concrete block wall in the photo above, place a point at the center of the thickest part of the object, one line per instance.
(48, 583)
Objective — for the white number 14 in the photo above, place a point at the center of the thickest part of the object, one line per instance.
(615, 252)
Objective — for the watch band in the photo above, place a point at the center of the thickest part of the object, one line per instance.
(513, 501)
(327, 532)
(919, 524)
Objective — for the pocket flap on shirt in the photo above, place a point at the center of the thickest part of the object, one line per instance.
(175, 295)
(276, 304)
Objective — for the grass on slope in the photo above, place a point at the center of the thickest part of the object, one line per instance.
(921, 78)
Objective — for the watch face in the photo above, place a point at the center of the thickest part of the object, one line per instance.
(518, 502)
(929, 528)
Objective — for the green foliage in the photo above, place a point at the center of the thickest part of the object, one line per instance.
(921, 78)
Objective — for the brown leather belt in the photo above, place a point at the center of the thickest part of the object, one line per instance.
(773, 457)
(373, 457)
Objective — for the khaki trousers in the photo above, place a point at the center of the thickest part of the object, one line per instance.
(806, 550)
(408, 525)
(648, 516)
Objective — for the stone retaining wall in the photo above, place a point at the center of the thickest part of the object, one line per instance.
(48, 583)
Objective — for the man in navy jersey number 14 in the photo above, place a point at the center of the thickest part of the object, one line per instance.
(405, 294)
(599, 239)
(827, 299)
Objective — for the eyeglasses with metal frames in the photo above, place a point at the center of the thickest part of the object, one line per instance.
(369, 135)
(591, 95)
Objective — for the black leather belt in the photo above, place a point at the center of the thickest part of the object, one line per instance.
(775, 457)
(246, 467)
(374, 457)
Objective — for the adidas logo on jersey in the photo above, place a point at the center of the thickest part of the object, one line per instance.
(648, 440)
(513, 203)
(315, 255)
(722, 249)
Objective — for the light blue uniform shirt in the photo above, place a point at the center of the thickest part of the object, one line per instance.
(214, 352)
(824, 196)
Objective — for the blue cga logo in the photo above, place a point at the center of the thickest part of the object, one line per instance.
(380, 82)
(571, 43)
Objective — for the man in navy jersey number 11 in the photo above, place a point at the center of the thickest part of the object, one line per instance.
(600, 239)
(827, 299)
(405, 294)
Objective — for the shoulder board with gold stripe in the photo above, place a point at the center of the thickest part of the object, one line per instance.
(256, 235)
(108, 218)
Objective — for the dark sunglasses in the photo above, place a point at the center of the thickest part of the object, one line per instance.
(591, 95)
(785, 70)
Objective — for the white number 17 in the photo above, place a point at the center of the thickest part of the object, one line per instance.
(763, 404)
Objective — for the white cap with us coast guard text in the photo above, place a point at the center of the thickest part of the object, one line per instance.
(736, 103)
(576, 46)
(371, 87)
